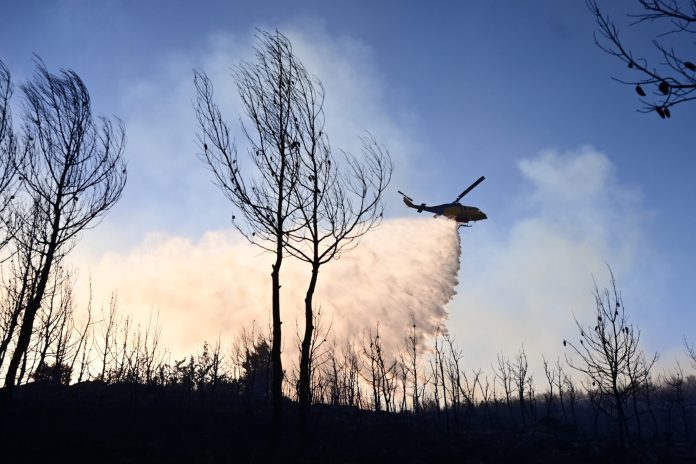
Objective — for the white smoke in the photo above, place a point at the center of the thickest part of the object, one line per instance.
(407, 268)
(522, 285)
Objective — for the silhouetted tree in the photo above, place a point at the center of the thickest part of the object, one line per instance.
(342, 374)
(382, 373)
(72, 173)
(8, 171)
(437, 367)
(691, 352)
(675, 384)
(550, 373)
(17, 288)
(257, 370)
(269, 90)
(504, 373)
(413, 365)
(307, 202)
(672, 80)
(610, 356)
(522, 380)
(339, 202)
(107, 343)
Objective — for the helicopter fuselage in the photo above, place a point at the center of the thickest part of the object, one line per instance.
(456, 211)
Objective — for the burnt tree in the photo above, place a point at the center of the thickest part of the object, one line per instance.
(609, 354)
(339, 201)
(8, 147)
(265, 196)
(667, 78)
(72, 172)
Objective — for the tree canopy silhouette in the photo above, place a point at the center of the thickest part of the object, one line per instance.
(661, 85)
(609, 354)
(71, 171)
(268, 91)
(300, 199)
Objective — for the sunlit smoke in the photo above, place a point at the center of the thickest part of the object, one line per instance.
(405, 270)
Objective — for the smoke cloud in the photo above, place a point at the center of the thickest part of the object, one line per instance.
(407, 268)
(521, 285)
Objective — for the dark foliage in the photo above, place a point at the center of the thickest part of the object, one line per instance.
(668, 78)
(96, 422)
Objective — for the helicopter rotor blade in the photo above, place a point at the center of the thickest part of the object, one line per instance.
(470, 188)
(405, 196)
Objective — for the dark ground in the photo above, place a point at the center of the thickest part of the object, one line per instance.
(96, 423)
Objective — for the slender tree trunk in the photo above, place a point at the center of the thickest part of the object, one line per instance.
(636, 412)
(277, 381)
(17, 311)
(305, 359)
(27, 327)
(621, 419)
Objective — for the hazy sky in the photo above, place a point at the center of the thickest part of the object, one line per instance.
(515, 91)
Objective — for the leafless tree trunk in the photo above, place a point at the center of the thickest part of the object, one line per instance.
(691, 352)
(382, 375)
(268, 90)
(572, 395)
(504, 373)
(519, 372)
(72, 173)
(338, 206)
(8, 171)
(18, 288)
(610, 356)
(412, 343)
(351, 366)
(487, 394)
(108, 348)
(550, 373)
(674, 381)
(319, 351)
(439, 379)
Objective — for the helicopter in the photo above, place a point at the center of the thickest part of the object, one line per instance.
(455, 210)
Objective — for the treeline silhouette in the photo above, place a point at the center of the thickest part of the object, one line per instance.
(61, 171)
(429, 387)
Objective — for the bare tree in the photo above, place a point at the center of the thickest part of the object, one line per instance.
(72, 173)
(504, 373)
(268, 90)
(550, 374)
(521, 380)
(610, 356)
(382, 375)
(306, 202)
(487, 394)
(671, 81)
(8, 184)
(413, 364)
(675, 385)
(338, 206)
(319, 354)
(691, 352)
(17, 289)
(437, 366)
(107, 345)
(60, 336)
(6, 90)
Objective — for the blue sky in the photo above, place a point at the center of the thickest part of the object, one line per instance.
(455, 91)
